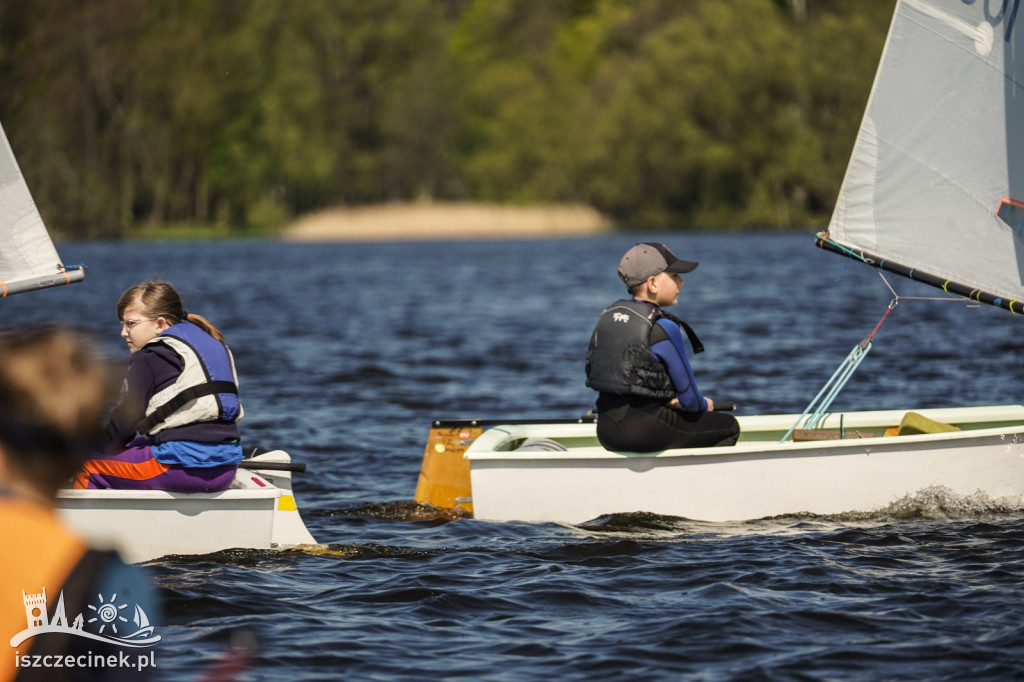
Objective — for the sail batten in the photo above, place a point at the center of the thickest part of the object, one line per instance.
(936, 177)
(28, 258)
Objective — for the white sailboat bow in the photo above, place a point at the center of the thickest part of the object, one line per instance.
(934, 191)
(935, 186)
(28, 259)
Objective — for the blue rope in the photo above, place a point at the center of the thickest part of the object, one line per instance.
(839, 378)
(828, 392)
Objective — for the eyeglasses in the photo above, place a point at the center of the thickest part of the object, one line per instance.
(130, 324)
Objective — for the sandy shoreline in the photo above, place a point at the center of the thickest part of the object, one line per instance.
(429, 221)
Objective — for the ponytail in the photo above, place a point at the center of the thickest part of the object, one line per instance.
(205, 325)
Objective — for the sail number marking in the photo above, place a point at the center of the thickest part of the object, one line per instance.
(1007, 13)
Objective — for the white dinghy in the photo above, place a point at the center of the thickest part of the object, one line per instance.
(559, 472)
(257, 512)
(934, 191)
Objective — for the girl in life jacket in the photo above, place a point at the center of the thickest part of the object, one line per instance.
(176, 426)
(648, 397)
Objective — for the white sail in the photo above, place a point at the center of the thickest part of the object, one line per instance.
(28, 259)
(936, 179)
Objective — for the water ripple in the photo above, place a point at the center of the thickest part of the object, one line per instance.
(931, 587)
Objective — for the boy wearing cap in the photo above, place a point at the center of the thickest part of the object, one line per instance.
(648, 397)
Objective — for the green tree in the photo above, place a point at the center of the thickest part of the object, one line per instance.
(235, 113)
(702, 122)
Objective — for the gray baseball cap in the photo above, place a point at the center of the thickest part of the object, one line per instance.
(649, 259)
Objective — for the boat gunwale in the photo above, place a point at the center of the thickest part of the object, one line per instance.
(481, 449)
(255, 493)
(247, 485)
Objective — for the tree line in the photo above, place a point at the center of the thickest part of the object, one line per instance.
(241, 114)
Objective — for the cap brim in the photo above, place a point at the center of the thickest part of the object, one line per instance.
(682, 266)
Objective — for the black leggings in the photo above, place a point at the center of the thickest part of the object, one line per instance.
(630, 424)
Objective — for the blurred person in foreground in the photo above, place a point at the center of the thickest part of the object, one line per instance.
(54, 389)
(648, 397)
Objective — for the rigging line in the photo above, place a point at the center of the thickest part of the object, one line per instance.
(884, 280)
(953, 298)
(958, 299)
(850, 253)
(892, 304)
(816, 411)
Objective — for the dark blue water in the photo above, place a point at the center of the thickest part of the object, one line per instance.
(347, 351)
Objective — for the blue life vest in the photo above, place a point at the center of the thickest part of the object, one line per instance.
(205, 391)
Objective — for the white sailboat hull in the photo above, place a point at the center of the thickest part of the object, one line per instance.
(257, 512)
(759, 477)
(934, 191)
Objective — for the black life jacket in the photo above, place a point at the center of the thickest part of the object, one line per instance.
(620, 360)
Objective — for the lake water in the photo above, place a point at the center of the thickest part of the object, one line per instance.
(346, 352)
